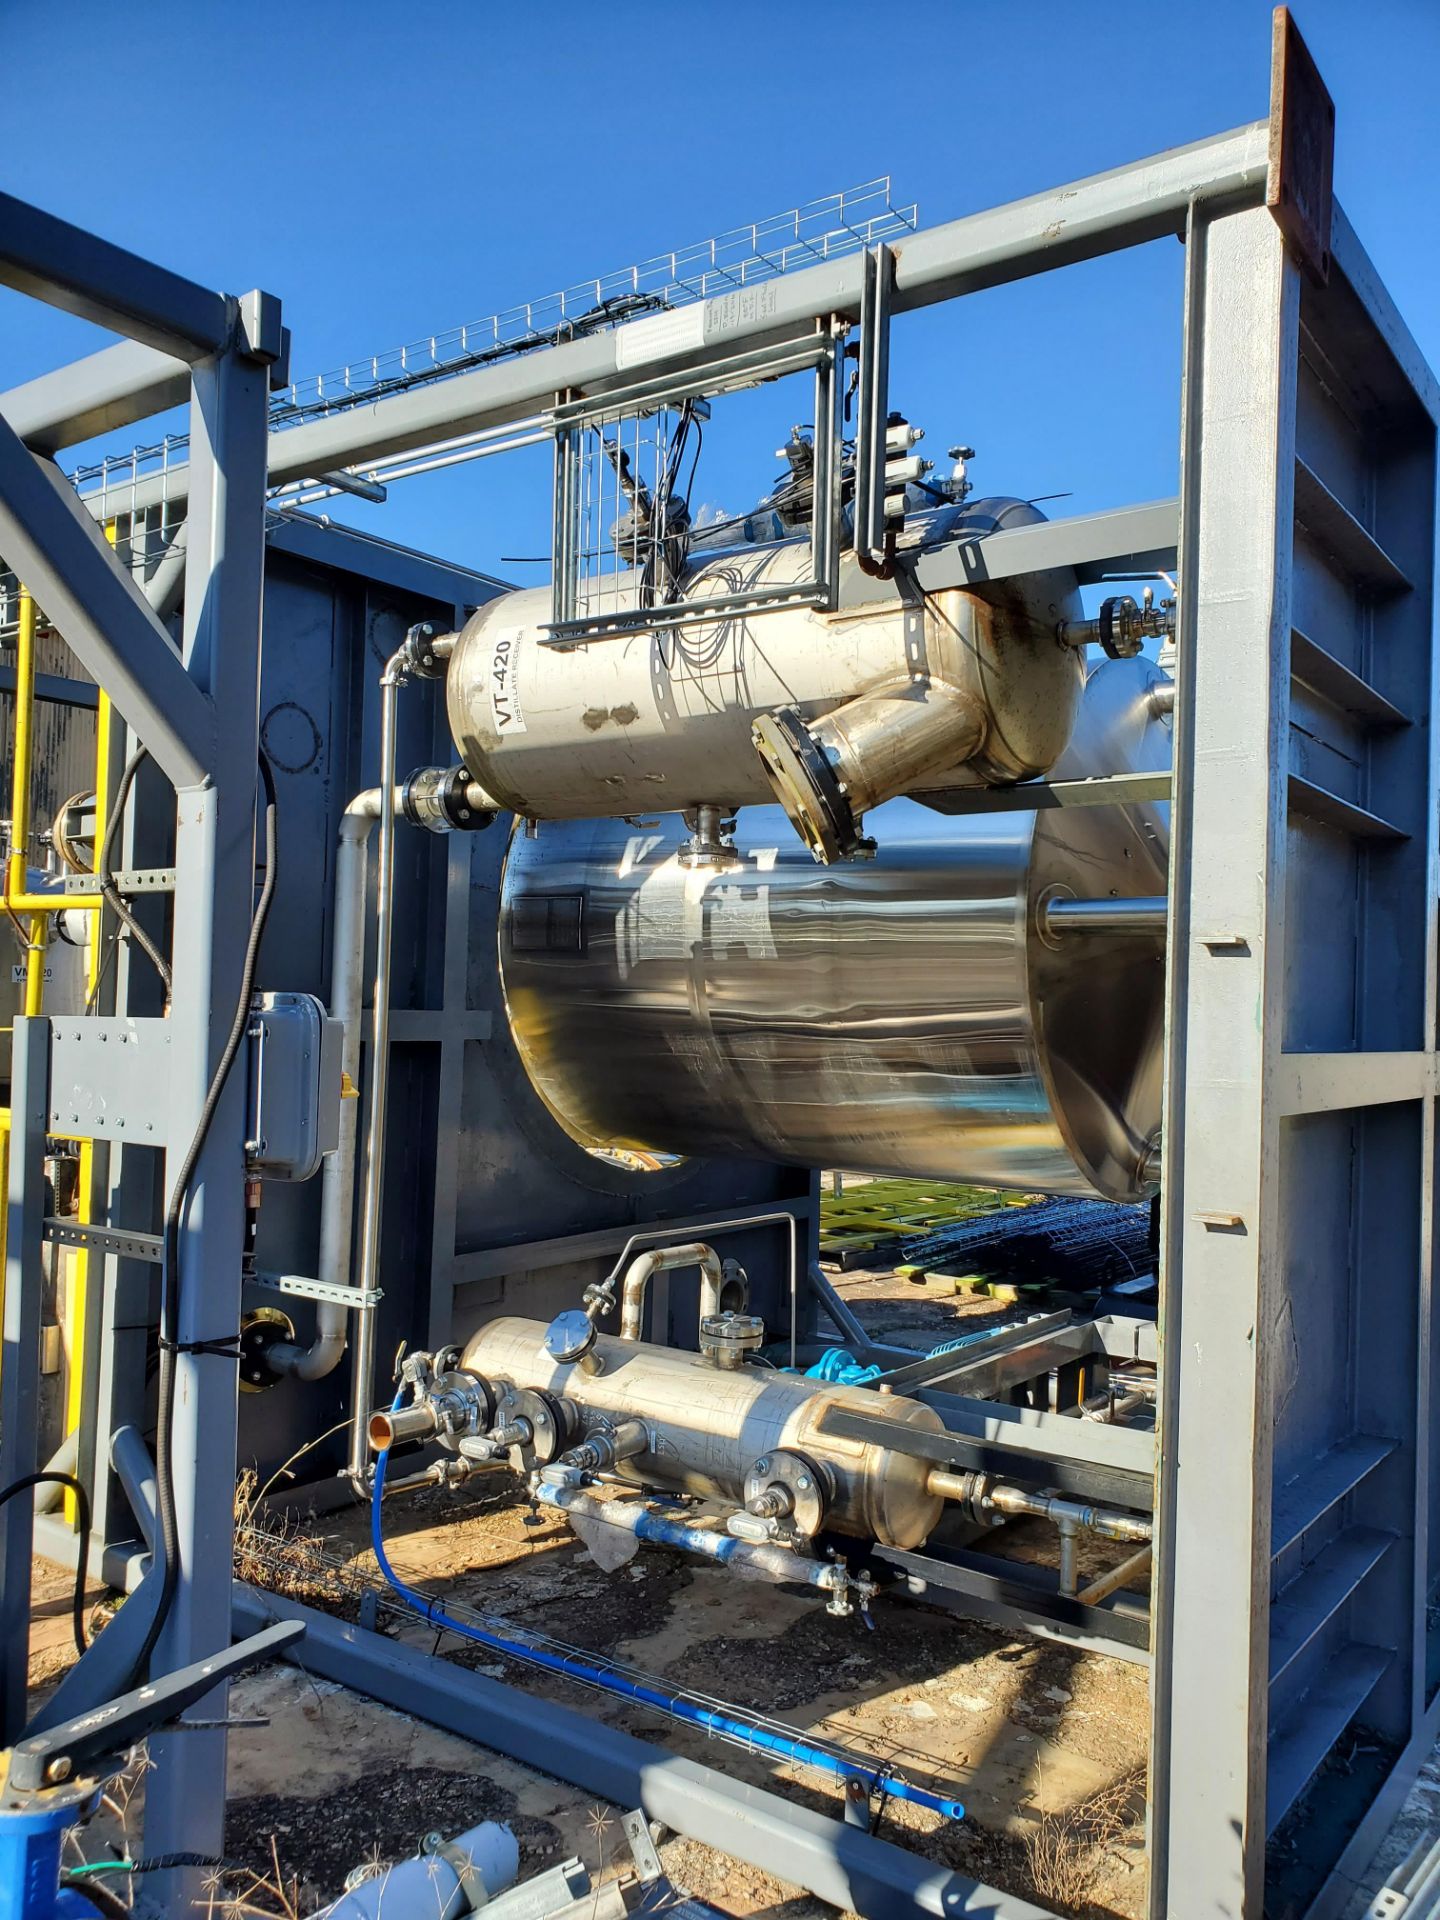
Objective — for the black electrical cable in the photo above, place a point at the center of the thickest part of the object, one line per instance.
(170, 1347)
(82, 1504)
(103, 872)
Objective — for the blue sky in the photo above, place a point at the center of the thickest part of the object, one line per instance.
(390, 173)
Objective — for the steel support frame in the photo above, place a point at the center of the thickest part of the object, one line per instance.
(1207, 1832)
(214, 897)
(171, 701)
(1095, 217)
(1230, 1081)
(1207, 1776)
(839, 1862)
(1102, 214)
(1255, 1083)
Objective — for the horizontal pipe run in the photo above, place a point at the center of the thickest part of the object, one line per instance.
(54, 902)
(1145, 913)
(972, 1490)
(725, 1723)
(1106, 1522)
(635, 1517)
(389, 1426)
(1091, 217)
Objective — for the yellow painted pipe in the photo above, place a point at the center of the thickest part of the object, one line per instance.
(15, 869)
(54, 902)
(19, 899)
(85, 1195)
(35, 945)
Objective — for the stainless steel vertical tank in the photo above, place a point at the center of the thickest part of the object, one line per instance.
(912, 1013)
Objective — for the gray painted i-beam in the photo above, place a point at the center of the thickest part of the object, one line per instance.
(1224, 1023)
(57, 549)
(20, 1371)
(100, 394)
(839, 1863)
(1122, 543)
(70, 268)
(214, 893)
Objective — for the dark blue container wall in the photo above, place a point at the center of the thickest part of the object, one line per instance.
(475, 1164)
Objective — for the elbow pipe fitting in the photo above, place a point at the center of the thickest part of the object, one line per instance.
(828, 773)
(662, 1259)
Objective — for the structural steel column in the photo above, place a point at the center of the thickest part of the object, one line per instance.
(1221, 1132)
(214, 898)
(20, 1365)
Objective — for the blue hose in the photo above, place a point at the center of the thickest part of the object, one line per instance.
(839, 1367)
(723, 1725)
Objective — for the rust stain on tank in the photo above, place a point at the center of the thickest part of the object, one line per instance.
(624, 716)
(594, 718)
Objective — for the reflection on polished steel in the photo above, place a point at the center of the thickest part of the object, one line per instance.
(708, 1426)
(913, 1013)
(962, 686)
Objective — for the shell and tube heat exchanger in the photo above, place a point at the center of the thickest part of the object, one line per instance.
(589, 1419)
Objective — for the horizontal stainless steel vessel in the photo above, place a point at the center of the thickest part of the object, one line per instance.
(912, 1014)
(902, 693)
(710, 1425)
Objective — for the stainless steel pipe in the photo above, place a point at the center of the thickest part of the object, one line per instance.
(388, 1426)
(337, 1179)
(1143, 913)
(363, 1361)
(660, 1260)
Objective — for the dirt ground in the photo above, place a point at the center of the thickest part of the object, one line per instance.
(1045, 1746)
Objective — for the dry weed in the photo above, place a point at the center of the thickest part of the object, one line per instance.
(263, 1896)
(272, 1550)
(1066, 1850)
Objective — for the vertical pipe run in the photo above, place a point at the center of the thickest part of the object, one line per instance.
(337, 1192)
(85, 1184)
(18, 858)
(363, 1367)
(18, 863)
